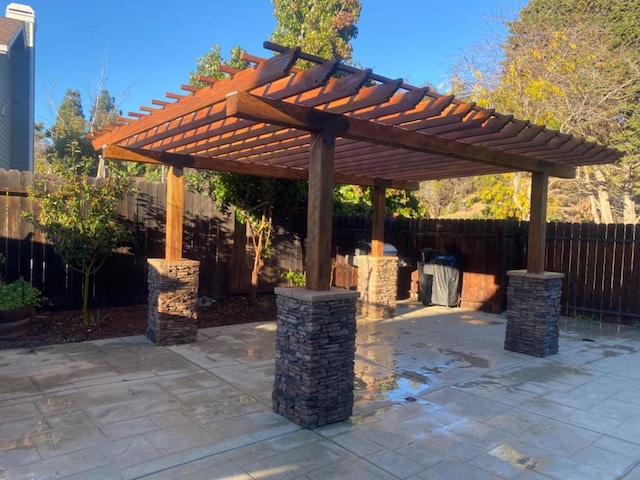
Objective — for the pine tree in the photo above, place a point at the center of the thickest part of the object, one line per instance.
(70, 126)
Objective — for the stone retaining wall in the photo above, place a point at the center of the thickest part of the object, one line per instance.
(378, 286)
(532, 312)
(173, 297)
(315, 348)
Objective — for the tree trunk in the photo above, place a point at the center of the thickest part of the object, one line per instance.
(260, 237)
(593, 201)
(85, 298)
(595, 212)
(630, 209)
(255, 276)
(238, 257)
(257, 265)
(603, 196)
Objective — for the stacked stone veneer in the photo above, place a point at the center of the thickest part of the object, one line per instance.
(173, 296)
(315, 348)
(532, 312)
(378, 286)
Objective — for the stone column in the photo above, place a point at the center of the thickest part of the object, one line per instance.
(533, 308)
(377, 284)
(315, 348)
(172, 317)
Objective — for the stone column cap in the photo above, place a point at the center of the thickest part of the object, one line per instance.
(313, 296)
(541, 276)
(162, 261)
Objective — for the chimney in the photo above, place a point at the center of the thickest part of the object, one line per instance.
(26, 14)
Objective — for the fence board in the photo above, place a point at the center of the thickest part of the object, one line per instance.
(628, 290)
(584, 270)
(634, 280)
(552, 247)
(571, 276)
(617, 261)
(611, 242)
(564, 234)
(601, 244)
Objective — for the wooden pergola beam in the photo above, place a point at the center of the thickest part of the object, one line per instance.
(267, 71)
(115, 152)
(244, 105)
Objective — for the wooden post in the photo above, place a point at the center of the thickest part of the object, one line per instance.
(175, 211)
(320, 212)
(537, 223)
(377, 227)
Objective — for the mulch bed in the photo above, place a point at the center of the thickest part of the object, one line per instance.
(53, 326)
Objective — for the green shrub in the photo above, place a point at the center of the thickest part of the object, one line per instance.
(19, 294)
(296, 279)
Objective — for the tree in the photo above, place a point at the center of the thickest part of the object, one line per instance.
(573, 65)
(357, 200)
(506, 196)
(78, 214)
(253, 199)
(42, 147)
(209, 65)
(103, 112)
(442, 198)
(351, 200)
(70, 126)
(325, 28)
(321, 27)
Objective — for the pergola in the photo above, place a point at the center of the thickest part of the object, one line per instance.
(333, 123)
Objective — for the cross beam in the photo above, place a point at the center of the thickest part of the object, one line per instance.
(245, 105)
(116, 152)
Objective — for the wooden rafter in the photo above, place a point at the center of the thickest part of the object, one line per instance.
(396, 133)
(247, 106)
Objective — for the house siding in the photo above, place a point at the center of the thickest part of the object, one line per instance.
(5, 120)
(20, 107)
(17, 87)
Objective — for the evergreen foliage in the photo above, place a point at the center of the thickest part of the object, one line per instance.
(321, 27)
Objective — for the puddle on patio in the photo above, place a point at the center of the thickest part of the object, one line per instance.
(471, 319)
(570, 325)
(399, 387)
(472, 359)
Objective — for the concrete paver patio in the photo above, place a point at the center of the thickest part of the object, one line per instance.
(437, 397)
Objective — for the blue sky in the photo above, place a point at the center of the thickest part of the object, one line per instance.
(148, 47)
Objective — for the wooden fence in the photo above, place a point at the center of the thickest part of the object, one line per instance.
(485, 249)
(601, 263)
(209, 237)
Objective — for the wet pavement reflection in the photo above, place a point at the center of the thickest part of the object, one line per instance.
(436, 396)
